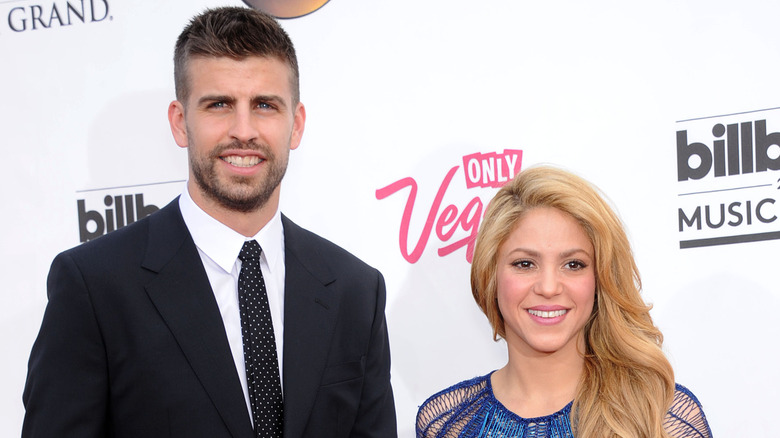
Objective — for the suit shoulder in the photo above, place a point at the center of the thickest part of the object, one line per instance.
(298, 237)
(130, 240)
(116, 241)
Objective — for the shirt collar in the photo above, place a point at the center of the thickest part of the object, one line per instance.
(222, 244)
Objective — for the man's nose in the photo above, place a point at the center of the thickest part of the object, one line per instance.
(243, 126)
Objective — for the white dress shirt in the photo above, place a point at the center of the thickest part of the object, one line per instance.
(218, 246)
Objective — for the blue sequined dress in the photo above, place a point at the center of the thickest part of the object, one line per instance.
(470, 410)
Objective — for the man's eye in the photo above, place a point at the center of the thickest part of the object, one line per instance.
(264, 105)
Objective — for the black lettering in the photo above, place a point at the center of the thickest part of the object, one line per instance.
(55, 13)
(733, 210)
(747, 147)
(129, 209)
(683, 218)
(722, 216)
(761, 216)
(93, 9)
(763, 142)
(36, 13)
(12, 20)
(85, 217)
(143, 210)
(109, 201)
(120, 213)
(75, 12)
(733, 149)
(685, 151)
(719, 150)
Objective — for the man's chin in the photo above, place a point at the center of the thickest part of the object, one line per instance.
(242, 204)
(238, 194)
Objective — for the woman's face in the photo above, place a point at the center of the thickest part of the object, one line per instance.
(546, 283)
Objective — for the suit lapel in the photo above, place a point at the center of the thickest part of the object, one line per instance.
(310, 311)
(182, 294)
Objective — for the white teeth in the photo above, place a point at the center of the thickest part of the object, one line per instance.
(545, 314)
(238, 161)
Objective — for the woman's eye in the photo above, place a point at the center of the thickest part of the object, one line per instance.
(575, 265)
(524, 264)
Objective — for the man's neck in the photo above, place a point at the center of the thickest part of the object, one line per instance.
(245, 223)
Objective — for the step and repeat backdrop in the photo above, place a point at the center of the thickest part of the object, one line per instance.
(417, 113)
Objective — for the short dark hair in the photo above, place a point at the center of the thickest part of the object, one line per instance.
(233, 32)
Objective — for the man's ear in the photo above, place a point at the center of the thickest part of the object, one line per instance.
(299, 121)
(178, 125)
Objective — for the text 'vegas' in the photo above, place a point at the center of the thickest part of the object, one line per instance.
(481, 170)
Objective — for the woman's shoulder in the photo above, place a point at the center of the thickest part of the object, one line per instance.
(456, 395)
(441, 408)
(685, 417)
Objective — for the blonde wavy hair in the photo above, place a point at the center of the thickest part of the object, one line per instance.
(627, 384)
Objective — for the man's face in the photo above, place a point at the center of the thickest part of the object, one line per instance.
(239, 125)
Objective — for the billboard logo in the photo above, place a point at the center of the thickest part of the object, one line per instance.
(101, 211)
(728, 180)
(745, 149)
(491, 170)
(119, 211)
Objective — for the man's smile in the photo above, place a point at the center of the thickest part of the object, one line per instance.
(239, 161)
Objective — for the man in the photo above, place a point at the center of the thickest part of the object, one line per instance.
(153, 330)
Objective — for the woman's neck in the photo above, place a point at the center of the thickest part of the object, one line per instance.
(535, 385)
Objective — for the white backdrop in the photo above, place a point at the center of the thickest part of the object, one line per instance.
(407, 89)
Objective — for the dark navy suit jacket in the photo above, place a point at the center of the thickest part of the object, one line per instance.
(132, 343)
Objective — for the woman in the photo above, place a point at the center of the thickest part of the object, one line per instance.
(554, 273)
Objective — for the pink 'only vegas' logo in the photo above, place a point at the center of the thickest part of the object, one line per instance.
(490, 170)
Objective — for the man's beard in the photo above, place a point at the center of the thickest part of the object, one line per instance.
(239, 193)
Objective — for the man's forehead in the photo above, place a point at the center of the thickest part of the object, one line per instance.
(201, 58)
(270, 66)
(210, 77)
(267, 66)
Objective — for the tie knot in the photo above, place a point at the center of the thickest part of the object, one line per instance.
(250, 251)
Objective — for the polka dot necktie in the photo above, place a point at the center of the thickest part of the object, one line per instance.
(262, 366)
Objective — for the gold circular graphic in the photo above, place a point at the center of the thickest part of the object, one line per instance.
(287, 8)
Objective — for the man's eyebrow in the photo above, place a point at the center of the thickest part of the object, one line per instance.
(270, 98)
(215, 98)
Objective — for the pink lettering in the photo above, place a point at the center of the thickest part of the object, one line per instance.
(446, 225)
(469, 221)
(481, 170)
(407, 216)
(492, 169)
